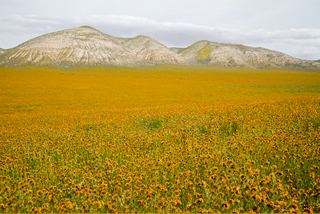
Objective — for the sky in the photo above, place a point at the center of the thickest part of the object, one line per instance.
(288, 26)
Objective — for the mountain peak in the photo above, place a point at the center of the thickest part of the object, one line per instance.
(152, 51)
(142, 37)
(87, 26)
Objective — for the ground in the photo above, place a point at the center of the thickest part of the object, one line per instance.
(159, 139)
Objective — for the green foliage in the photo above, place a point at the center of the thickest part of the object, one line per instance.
(228, 128)
(151, 123)
(203, 54)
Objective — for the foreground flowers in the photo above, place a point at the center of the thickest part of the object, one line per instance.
(180, 166)
(247, 157)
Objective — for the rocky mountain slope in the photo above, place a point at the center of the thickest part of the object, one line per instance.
(2, 50)
(150, 50)
(88, 46)
(223, 54)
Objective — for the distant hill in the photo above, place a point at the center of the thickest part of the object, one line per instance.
(223, 54)
(149, 50)
(88, 46)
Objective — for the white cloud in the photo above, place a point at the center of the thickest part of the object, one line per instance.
(301, 43)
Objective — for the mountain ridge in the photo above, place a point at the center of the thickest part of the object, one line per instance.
(72, 46)
(86, 45)
(151, 50)
(237, 55)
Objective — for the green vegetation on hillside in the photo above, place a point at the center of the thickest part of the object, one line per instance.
(203, 55)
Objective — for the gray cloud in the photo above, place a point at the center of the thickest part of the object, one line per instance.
(301, 43)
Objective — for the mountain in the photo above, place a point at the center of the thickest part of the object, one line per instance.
(223, 54)
(2, 50)
(83, 45)
(150, 50)
(86, 45)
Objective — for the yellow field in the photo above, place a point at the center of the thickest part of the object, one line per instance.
(159, 139)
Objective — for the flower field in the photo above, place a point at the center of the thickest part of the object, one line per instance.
(159, 139)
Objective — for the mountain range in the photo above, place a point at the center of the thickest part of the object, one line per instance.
(88, 46)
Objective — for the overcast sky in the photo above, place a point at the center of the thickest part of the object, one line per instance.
(289, 26)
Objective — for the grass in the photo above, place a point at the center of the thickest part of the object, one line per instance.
(159, 139)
